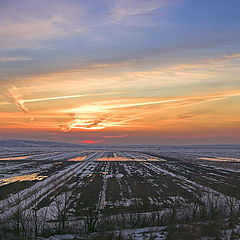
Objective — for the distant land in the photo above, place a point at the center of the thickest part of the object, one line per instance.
(35, 143)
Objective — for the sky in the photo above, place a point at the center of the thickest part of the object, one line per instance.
(120, 71)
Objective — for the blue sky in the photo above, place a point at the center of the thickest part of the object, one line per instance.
(78, 33)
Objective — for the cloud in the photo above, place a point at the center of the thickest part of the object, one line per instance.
(18, 34)
(183, 117)
(115, 118)
(12, 95)
(125, 8)
(131, 75)
(178, 118)
(141, 102)
(44, 21)
(116, 136)
(134, 12)
(188, 101)
(195, 71)
(13, 59)
(97, 123)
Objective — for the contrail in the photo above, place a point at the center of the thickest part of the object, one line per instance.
(67, 97)
(94, 108)
(191, 100)
(12, 94)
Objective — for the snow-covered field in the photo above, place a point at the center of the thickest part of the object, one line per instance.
(97, 183)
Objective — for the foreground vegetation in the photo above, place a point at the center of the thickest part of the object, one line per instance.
(216, 219)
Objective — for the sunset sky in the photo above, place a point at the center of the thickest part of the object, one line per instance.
(120, 71)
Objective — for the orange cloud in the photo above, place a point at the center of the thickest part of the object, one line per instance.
(116, 136)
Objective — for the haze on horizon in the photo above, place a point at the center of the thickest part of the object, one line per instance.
(120, 71)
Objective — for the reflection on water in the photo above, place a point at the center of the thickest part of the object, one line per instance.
(156, 159)
(15, 158)
(29, 177)
(77, 159)
(220, 159)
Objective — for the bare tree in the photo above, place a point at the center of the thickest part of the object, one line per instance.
(61, 209)
(17, 216)
(90, 219)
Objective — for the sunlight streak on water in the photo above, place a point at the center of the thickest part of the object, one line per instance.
(220, 159)
(77, 159)
(29, 177)
(15, 158)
